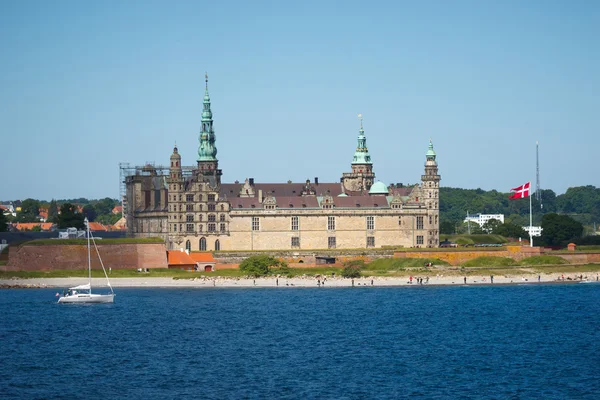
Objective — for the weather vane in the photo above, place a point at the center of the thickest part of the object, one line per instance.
(361, 118)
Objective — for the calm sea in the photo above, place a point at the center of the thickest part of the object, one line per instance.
(503, 342)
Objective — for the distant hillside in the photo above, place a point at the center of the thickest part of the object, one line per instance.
(581, 203)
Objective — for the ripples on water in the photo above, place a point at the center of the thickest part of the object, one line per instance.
(504, 342)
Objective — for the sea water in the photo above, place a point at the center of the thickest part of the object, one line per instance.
(460, 342)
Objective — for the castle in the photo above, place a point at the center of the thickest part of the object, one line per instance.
(191, 208)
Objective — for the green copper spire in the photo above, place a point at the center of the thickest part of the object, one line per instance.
(361, 155)
(430, 153)
(207, 151)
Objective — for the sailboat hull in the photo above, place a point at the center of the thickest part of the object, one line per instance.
(88, 298)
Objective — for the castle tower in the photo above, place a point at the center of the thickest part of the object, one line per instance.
(430, 184)
(208, 165)
(175, 169)
(362, 177)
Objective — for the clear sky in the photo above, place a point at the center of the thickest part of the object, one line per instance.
(85, 85)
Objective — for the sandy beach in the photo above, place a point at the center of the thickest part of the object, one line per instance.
(282, 282)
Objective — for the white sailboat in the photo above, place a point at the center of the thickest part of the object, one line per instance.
(83, 293)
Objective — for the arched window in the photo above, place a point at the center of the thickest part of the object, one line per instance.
(217, 245)
(202, 244)
(188, 245)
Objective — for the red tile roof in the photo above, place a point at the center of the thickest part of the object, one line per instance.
(203, 257)
(97, 226)
(27, 226)
(117, 209)
(177, 257)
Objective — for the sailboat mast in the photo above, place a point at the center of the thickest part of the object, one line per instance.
(87, 224)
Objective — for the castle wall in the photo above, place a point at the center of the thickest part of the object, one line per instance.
(75, 257)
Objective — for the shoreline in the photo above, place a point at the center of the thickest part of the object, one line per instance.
(282, 282)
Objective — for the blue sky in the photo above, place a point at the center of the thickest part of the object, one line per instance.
(86, 85)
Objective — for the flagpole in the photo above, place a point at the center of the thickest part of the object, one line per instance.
(530, 222)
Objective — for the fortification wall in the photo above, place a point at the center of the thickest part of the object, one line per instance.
(73, 257)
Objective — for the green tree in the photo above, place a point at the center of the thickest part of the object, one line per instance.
(109, 219)
(510, 230)
(105, 206)
(52, 211)
(3, 222)
(37, 228)
(491, 225)
(69, 217)
(89, 212)
(446, 228)
(559, 229)
(352, 268)
(262, 265)
(30, 210)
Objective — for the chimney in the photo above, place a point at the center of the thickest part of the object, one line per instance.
(251, 181)
(260, 198)
(316, 180)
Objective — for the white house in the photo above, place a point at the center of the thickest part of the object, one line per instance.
(481, 219)
(535, 230)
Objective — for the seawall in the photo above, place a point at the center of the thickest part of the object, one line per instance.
(73, 257)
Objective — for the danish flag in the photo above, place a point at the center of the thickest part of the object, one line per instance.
(520, 192)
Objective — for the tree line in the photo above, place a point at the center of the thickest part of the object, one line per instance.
(65, 213)
(566, 217)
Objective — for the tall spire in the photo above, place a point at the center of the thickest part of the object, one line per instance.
(361, 156)
(207, 151)
(430, 153)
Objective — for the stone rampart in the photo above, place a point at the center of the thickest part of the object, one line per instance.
(73, 257)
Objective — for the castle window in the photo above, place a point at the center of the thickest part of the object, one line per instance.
(430, 220)
(200, 217)
(420, 239)
(255, 224)
(211, 207)
(436, 219)
(189, 197)
(295, 242)
(180, 207)
(180, 227)
(222, 217)
(180, 197)
(189, 218)
(419, 222)
(202, 244)
(200, 207)
(331, 242)
(212, 218)
(400, 220)
(370, 241)
(212, 227)
(217, 245)
(189, 207)
(269, 207)
(435, 206)
(211, 197)
(222, 207)
(295, 223)
(188, 245)
(200, 228)
(331, 223)
(189, 227)
(175, 227)
(222, 228)
(370, 223)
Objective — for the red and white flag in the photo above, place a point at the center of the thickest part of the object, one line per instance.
(520, 192)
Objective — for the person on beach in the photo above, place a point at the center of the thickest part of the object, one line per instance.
(465, 280)
(410, 279)
(492, 278)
